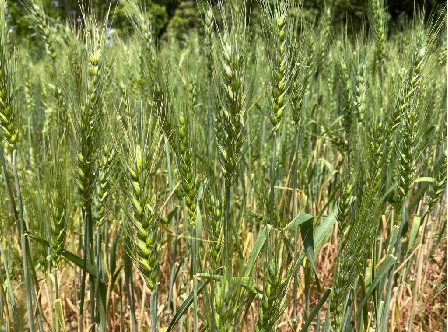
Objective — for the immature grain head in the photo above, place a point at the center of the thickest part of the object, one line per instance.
(231, 118)
(346, 97)
(58, 228)
(29, 95)
(360, 102)
(271, 289)
(162, 107)
(323, 35)
(224, 306)
(364, 226)
(7, 119)
(89, 121)
(146, 54)
(38, 15)
(143, 221)
(7, 122)
(357, 244)
(376, 150)
(303, 71)
(409, 126)
(102, 191)
(377, 22)
(276, 31)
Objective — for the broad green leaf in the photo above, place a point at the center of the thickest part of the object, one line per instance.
(259, 243)
(80, 262)
(336, 121)
(368, 275)
(249, 299)
(388, 191)
(306, 231)
(298, 220)
(440, 288)
(418, 196)
(320, 234)
(324, 229)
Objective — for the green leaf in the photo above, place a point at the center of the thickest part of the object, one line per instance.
(113, 253)
(249, 299)
(298, 220)
(259, 243)
(368, 275)
(244, 282)
(365, 308)
(418, 196)
(198, 223)
(393, 238)
(113, 280)
(388, 191)
(59, 314)
(172, 213)
(39, 239)
(382, 271)
(102, 304)
(75, 259)
(324, 229)
(186, 304)
(313, 312)
(329, 166)
(307, 233)
(319, 236)
(336, 121)
(201, 190)
(416, 222)
(440, 288)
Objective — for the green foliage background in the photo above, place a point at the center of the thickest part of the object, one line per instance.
(176, 17)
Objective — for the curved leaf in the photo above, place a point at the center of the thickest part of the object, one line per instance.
(187, 303)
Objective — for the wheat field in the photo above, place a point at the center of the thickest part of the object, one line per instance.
(283, 177)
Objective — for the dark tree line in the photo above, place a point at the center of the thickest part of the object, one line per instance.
(179, 16)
